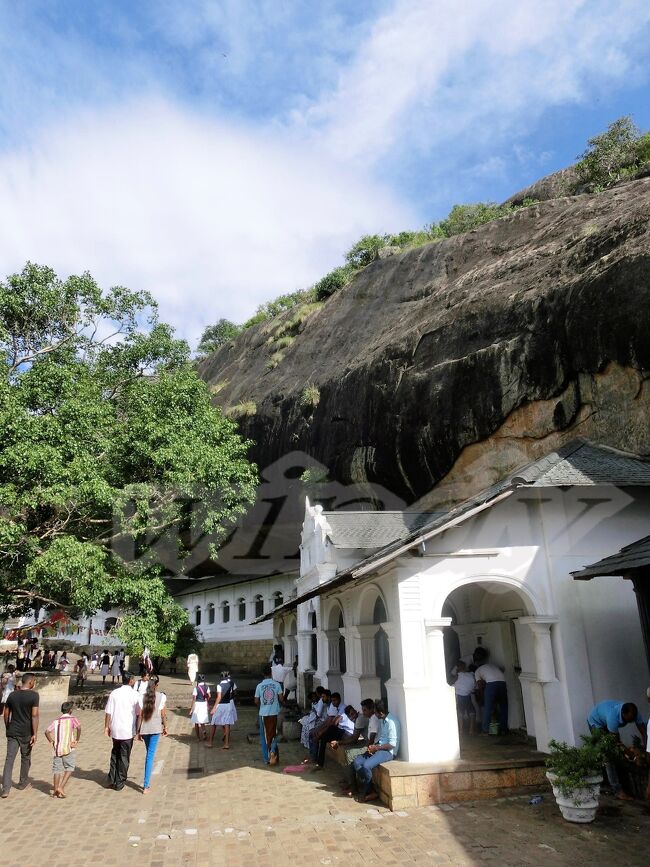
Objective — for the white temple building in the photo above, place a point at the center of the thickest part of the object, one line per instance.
(387, 601)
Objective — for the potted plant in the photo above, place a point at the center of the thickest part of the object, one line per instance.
(575, 773)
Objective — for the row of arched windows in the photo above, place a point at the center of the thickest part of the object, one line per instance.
(240, 607)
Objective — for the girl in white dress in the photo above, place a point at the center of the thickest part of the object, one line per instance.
(224, 712)
(115, 666)
(192, 666)
(199, 710)
(105, 663)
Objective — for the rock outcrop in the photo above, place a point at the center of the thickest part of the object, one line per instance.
(447, 366)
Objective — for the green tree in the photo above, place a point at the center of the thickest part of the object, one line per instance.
(365, 250)
(464, 218)
(611, 155)
(113, 462)
(216, 335)
(333, 281)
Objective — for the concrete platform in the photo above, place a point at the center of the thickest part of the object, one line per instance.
(489, 767)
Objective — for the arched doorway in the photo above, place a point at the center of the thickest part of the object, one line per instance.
(486, 624)
(336, 661)
(382, 647)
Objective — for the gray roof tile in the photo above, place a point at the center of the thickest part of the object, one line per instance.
(634, 556)
(372, 529)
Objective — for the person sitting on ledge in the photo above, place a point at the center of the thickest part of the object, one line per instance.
(340, 727)
(610, 716)
(384, 750)
(361, 736)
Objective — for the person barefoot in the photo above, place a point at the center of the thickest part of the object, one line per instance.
(64, 735)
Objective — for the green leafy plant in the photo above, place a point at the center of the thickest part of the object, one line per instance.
(613, 155)
(109, 441)
(572, 765)
(310, 396)
(365, 250)
(215, 336)
(335, 280)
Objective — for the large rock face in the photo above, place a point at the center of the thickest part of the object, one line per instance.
(451, 364)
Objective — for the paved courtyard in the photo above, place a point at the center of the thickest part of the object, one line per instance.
(217, 807)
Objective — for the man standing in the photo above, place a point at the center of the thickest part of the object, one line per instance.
(21, 723)
(610, 716)
(384, 749)
(268, 698)
(120, 719)
(491, 682)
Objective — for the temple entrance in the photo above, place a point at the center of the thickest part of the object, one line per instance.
(485, 627)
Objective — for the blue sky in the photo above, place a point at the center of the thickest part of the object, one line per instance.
(219, 153)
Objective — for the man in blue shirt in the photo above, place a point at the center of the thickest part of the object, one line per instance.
(268, 698)
(384, 749)
(610, 716)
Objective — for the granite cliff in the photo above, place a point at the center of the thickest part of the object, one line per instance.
(447, 366)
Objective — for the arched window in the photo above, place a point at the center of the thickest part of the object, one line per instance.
(211, 613)
(278, 599)
(225, 612)
(313, 641)
(259, 605)
(197, 615)
(241, 609)
(379, 613)
(312, 620)
(109, 623)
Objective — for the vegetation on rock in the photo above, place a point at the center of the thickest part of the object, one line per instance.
(614, 155)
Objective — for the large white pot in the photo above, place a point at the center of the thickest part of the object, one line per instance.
(582, 803)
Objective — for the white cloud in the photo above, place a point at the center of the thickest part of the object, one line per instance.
(431, 71)
(211, 218)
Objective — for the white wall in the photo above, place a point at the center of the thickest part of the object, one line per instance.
(236, 629)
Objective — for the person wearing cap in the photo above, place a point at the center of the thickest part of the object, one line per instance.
(122, 709)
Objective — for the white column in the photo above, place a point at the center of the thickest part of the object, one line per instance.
(440, 729)
(541, 629)
(545, 695)
(351, 686)
(361, 641)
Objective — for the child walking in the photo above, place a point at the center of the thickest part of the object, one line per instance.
(64, 734)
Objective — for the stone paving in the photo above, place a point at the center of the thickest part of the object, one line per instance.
(216, 807)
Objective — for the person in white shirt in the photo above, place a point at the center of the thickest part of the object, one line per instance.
(491, 682)
(340, 728)
(120, 719)
(464, 686)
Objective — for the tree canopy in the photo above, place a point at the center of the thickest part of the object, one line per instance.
(216, 335)
(113, 462)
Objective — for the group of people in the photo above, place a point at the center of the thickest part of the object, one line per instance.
(369, 737)
(480, 687)
(223, 713)
(133, 711)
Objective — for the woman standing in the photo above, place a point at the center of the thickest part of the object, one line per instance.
(105, 664)
(116, 666)
(192, 666)
(199, 710)
(63, 662)
(224, 712)
(152, 723)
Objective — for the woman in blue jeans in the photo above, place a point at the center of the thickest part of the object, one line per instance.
(152, 723)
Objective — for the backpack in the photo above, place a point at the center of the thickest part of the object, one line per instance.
(229, 692)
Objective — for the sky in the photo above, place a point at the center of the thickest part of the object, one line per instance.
(218, 153)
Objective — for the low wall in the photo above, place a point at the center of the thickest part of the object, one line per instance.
(52, 688)
(240, 657)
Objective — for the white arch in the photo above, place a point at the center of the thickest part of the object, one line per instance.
(366, 604)
(334, 612)
(533, 603)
